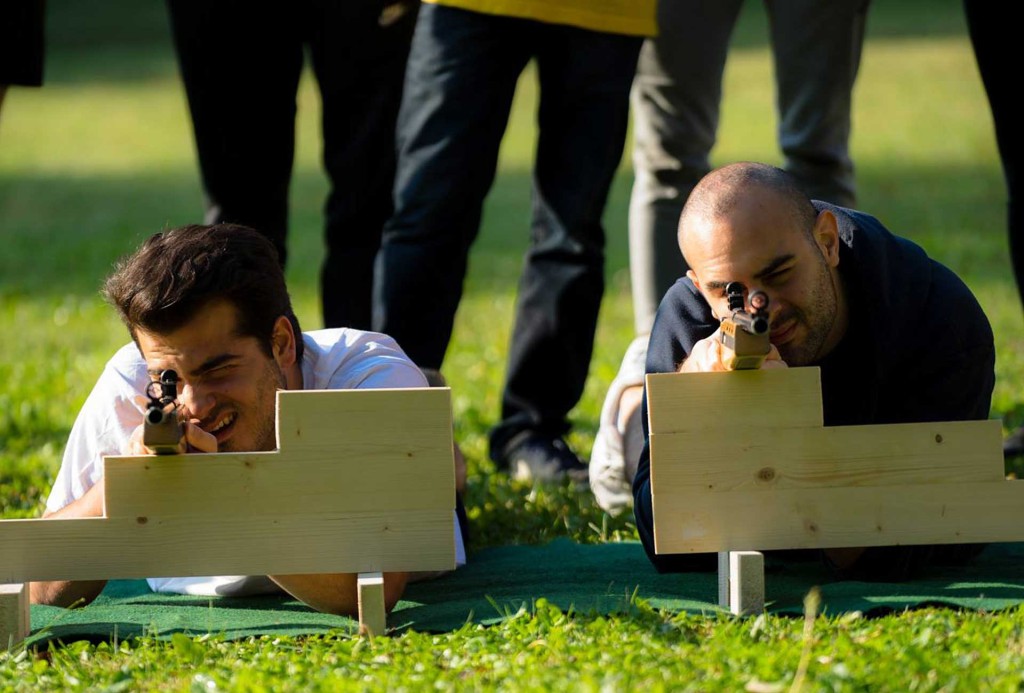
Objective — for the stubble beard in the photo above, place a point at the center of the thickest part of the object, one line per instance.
(818, 318)
(264, 412)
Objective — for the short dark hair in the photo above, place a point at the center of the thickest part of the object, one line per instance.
(720, 191)
(161, 286)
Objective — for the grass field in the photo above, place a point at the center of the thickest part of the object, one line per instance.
(102, 157)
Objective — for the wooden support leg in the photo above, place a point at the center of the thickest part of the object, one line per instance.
(741, 582)
(372, 614)
(15, 623)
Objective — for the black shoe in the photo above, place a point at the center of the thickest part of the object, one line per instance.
(533, 457)
(1013, 446)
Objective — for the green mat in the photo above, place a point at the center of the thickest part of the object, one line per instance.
(589, 579)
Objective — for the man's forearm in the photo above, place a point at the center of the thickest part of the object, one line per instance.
(90, 504)
(336, 593)
(65, 592)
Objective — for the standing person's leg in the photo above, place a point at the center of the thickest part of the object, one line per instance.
(676, 100)
(817, 49)
(993, 40)
(460, 80)
(240, 63)
(585, 78)
(22, 44)
(359, 57)
(676, 97)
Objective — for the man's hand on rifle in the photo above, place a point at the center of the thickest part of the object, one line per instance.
(193, 439)
(709, 354)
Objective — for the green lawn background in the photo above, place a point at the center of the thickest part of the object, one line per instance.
(102, 156)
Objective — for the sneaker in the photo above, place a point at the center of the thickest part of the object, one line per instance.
(533, 457)
(610, 477)
(1013, 446)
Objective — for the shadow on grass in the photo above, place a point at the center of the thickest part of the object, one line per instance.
(588, 580)
(126, 40)
(61, 234)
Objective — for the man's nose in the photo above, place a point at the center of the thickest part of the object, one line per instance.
(196, 400)
(776, 313)
(766, 302)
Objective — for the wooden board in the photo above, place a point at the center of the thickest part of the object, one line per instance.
(741, 582)
(15, 622)
(372, 610)
(742, 400)
(837, 517)
(364, 481)
(96, 549)
(877, 455)
(738, 463)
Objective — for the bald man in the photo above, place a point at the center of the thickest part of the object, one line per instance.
(899, 338)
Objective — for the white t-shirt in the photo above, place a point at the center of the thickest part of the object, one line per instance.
(334, 359)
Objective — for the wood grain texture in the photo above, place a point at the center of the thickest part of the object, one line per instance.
(95, 549)
(377, 449)
(778, 480)
(835, 517)
(877, 455)
(372, 610)
(754, 399)
(14, 615)
(364, 481)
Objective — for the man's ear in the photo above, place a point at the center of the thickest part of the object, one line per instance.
(282, 342)
(826, 236)
(692, 276)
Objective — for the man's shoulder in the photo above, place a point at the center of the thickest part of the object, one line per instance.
(683, 309)
(897, 277)
(860, 231)
(346, 338)
(915, 320)
(683, 319)
(683, 293)
(344, 358)
(127, 357)
(125, 368)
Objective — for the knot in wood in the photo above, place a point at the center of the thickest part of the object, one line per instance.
(766, 474)
(938, 437)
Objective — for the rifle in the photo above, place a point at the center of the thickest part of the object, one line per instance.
(746, 334)
(161, 429)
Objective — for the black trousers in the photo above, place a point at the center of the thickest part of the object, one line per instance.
(461, 78)
(22, 42)
(994, 42)
(240, 63)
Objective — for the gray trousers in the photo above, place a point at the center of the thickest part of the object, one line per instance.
(816, 47)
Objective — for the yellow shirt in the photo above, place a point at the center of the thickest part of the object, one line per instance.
(630, 17)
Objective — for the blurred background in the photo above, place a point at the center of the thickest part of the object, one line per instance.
(101, 156)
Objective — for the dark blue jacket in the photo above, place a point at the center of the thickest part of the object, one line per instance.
(918, 348)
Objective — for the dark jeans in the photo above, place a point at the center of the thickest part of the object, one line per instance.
(462, 73)
(240, 63)
(994, 42)
(22, 43)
